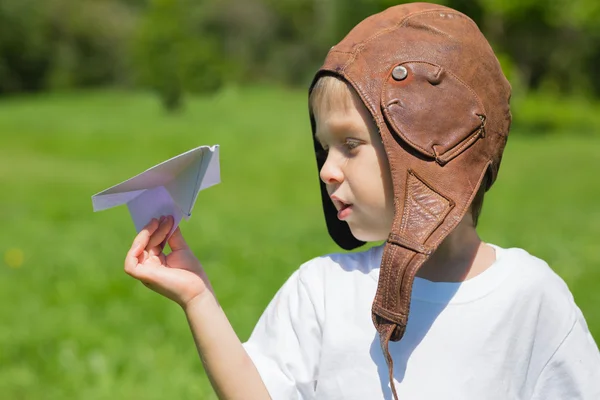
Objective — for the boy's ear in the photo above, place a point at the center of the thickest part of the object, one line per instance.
(432, 110)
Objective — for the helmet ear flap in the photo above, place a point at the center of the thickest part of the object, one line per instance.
(432, 110)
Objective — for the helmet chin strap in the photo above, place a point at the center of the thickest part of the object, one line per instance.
(391, 322)
(424, 210)
(423, 219)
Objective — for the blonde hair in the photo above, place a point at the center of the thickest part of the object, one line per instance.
(327, 90)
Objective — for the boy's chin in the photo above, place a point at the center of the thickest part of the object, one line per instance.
(368, 235)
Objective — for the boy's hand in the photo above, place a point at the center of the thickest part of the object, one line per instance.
(178, 276)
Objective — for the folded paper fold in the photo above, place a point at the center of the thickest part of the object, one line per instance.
(169, 188)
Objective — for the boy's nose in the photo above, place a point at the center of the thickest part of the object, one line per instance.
(331, 172)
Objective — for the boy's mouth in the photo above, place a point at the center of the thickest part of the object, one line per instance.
(344, 212)
(344, 209)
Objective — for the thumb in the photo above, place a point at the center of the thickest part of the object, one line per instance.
(177, 242)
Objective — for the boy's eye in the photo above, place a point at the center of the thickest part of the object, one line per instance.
(352, 144)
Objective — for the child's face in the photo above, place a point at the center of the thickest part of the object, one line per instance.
(356, 170)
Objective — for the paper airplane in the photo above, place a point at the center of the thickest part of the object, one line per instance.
(169, 188)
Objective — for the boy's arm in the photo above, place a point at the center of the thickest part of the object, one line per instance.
(180, 277)
(229, 368)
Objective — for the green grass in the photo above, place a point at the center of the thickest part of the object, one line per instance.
(74, 325)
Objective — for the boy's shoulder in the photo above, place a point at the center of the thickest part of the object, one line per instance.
(529, 273)
(532, 287)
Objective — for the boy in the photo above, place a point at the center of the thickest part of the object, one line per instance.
(410, 115)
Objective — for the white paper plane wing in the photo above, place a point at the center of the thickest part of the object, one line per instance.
(169, 188)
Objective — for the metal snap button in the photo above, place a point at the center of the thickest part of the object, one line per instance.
(399, 73)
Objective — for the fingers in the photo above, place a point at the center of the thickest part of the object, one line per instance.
(143, 238)
(176, 241)
(130, 263)
(138, 246)
(145, 270)
(166, 223)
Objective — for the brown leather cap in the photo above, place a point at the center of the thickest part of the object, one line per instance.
(441, 102)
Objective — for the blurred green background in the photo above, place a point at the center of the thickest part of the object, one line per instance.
(95, 91)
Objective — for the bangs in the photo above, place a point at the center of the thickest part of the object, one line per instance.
(329, 92)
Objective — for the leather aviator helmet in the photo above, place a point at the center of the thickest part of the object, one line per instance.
(439, 98)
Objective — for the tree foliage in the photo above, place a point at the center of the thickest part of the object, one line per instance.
(175, 52)
(63, 43)
(175, 46)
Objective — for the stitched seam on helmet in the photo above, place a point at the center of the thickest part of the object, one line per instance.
(400, 278)
(400, 23)
(450, 154)
(405, 210)
(468, 204)
(362, 45)
(389, 277)
(405, 297)
(390, 315)
(442, 215)
(470, 90)
(445, 11)
(340, 51)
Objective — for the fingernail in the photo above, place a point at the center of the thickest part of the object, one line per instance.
(161, 220)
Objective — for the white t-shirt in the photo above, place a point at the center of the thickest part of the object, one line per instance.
(512, 332)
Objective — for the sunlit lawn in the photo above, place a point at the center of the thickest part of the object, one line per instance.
(74, 325)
